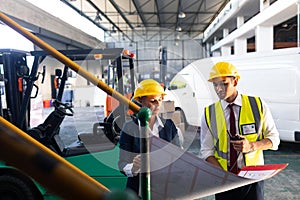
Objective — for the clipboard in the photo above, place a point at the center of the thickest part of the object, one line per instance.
(261, 171)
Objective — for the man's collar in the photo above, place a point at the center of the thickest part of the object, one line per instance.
(237, 101)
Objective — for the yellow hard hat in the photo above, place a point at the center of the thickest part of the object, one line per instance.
(148, 87)
(223, 69)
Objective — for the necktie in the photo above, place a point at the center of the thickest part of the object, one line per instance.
(233, 154)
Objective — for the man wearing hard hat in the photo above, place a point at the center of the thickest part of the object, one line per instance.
(235, 130)
(149, 93)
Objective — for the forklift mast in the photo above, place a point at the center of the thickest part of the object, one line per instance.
(14, 77)
(17, 82)
(115, 55)
(17, 79)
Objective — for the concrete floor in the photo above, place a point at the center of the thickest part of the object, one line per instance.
(283, 186)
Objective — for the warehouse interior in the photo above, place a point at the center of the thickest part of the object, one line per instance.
(122, 42)
(146, 29)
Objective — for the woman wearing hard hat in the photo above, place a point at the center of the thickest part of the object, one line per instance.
(235, 130)
(149, 93)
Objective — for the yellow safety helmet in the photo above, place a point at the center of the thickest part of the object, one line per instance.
(223, 69)
(148, 87)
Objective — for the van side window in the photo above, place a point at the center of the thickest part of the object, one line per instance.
(176, 84)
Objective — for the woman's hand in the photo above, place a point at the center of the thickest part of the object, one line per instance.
(136, 164)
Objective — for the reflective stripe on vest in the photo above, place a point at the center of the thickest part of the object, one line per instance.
(249, 122)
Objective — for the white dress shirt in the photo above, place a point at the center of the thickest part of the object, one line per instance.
(207, 140)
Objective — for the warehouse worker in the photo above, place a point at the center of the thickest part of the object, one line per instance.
(235, 130)
(149, 93)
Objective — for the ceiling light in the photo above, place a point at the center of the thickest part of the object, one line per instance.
(98, 19)
(179, 28)
(113, 30)
(181, 15)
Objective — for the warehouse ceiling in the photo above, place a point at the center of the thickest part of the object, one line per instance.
(191, 17)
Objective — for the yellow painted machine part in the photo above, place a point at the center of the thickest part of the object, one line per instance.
(25, 153)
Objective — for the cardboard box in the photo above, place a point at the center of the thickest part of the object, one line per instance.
(167, 106)
(175, 116)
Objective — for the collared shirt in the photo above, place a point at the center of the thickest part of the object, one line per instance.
(158, 123)
(207, 139)
(155, 131)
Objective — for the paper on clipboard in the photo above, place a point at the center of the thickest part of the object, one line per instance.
(261, 171)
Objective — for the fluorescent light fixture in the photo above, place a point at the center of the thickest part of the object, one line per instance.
(98, 19)
(181, 15)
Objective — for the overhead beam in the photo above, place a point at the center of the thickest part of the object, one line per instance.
(121, 13)
(84, 15)
(161, 13)
(110, 21)
(158, 12)
(196, 15)
(137, 8)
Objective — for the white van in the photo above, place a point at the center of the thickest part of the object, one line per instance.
(274, 76)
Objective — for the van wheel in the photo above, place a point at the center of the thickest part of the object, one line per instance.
(14, 188)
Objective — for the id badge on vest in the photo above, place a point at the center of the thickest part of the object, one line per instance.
(248, 129)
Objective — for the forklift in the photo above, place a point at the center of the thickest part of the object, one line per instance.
(17, 87)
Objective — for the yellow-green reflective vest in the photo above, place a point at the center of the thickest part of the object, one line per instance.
(249, 126)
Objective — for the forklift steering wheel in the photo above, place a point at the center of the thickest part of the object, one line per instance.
(63, 108)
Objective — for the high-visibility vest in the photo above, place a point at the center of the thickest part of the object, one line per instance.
(249, 126)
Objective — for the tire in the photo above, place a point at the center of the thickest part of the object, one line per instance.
(14, 188)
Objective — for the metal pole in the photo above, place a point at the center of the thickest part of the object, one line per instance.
(143, 116)
(163, 65)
